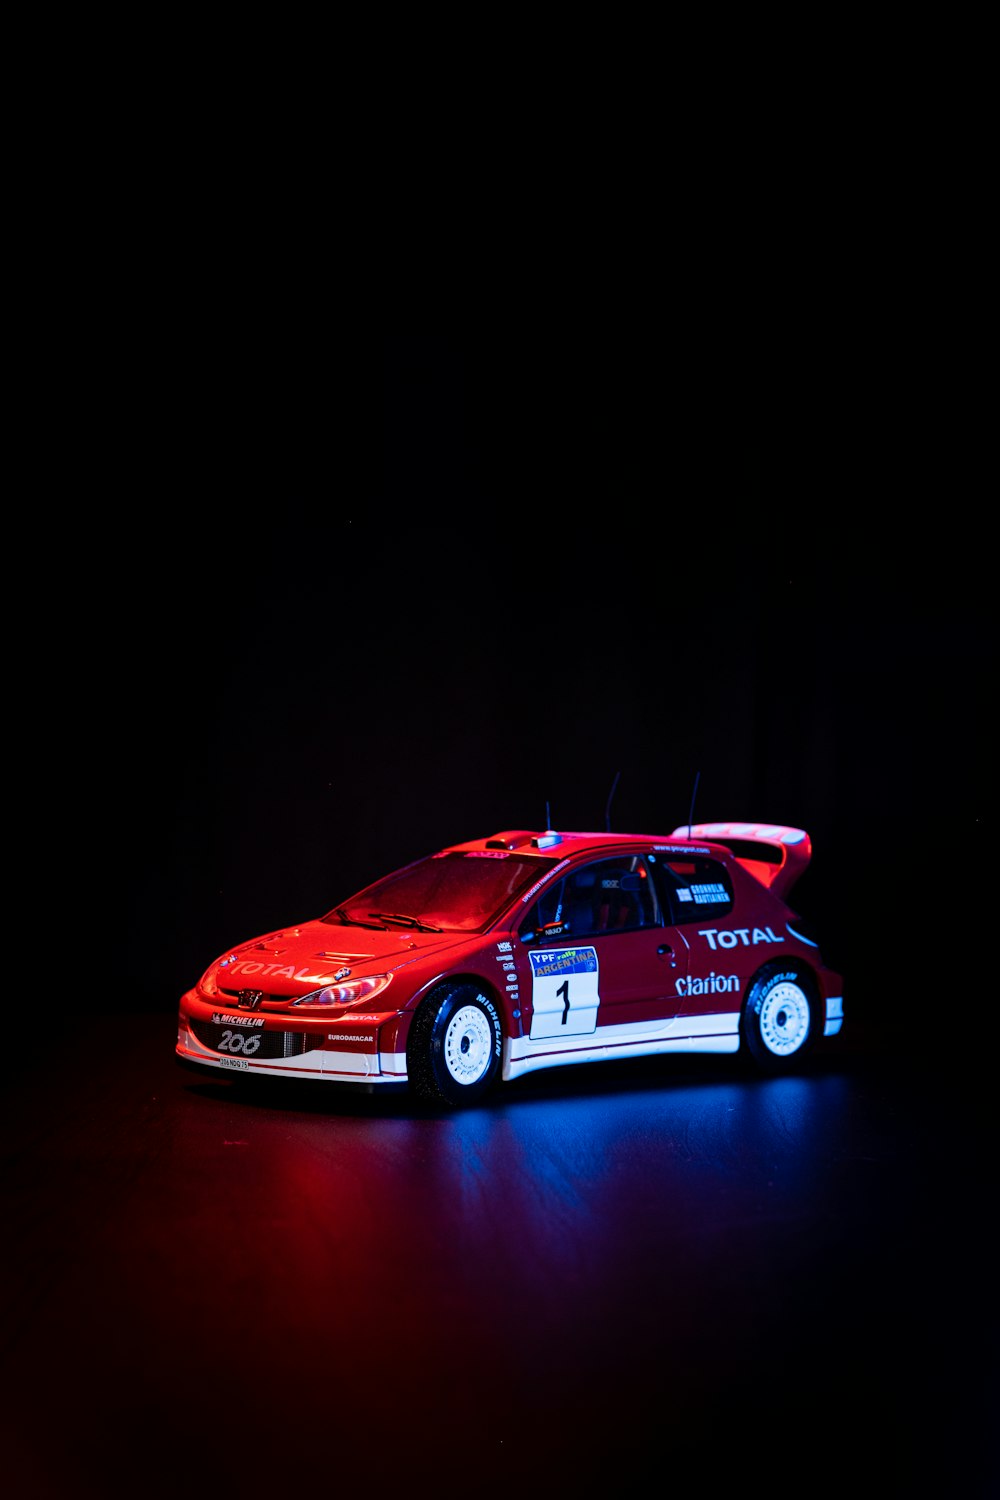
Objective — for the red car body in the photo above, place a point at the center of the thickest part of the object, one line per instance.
(526, 950)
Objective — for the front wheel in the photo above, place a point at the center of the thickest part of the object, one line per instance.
(779, 1016)
(453, 1055)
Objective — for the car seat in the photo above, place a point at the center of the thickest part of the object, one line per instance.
(614, 907)
(579, 912)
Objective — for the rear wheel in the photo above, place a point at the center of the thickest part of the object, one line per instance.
(780, 1016)
(453, 1055)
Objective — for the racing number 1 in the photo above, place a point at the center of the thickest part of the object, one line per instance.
(554, 1012)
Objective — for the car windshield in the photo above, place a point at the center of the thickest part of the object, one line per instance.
(453, 892)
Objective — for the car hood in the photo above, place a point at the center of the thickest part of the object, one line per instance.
(297, 959)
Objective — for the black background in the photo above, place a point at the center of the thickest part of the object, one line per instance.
(326, 605)
(421, 588)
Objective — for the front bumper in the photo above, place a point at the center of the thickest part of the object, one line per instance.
(357, 1048)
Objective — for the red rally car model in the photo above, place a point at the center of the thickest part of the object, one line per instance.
(528, 950)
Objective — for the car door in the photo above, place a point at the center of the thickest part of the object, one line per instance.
(698, 890)
(600, 954)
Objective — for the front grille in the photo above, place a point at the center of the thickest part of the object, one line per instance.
(270, 1043)
(234, 996)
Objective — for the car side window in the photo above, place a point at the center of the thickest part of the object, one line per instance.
(693, 888)
(610, 895)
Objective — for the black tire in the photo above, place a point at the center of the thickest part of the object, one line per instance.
(456, 1040)
(780, 1020)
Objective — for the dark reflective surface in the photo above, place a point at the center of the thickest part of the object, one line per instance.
(670, 1262)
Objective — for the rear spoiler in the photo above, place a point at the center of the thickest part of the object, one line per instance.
(774, 854)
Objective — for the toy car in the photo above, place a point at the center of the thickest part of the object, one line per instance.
(525, 950)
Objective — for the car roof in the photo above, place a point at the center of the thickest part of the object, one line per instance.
(550, 842)
(775, 854)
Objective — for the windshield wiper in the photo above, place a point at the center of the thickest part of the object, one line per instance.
(338, 911)
(398, 916)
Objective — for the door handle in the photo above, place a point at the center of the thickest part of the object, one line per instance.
(665, 951)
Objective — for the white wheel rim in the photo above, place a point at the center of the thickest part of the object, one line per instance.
(784, 1019)
(468, 1045)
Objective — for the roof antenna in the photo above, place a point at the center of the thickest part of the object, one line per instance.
(548, 816)
(697, 778)
(607, 806)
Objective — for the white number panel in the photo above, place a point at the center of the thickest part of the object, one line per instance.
(564, 992)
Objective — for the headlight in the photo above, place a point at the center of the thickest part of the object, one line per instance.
(208, 984)
(348, 993)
